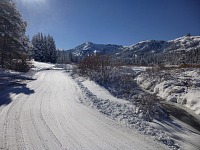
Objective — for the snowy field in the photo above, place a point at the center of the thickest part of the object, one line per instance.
(58, 111)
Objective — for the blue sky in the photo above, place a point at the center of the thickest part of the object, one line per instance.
(123, 22)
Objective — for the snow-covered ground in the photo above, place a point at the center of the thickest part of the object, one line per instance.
(101, 92)
(58, 111)
(47, 114)
(173, 133)
(41, 66)
(180, 86)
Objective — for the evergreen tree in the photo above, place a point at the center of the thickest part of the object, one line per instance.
(52, 50)
(44, 48)
(13, 42)
(36, 51)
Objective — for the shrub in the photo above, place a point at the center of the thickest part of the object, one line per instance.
(21, 64)
(150, 108)
(97, 67)
(120, 82)
(189, 66)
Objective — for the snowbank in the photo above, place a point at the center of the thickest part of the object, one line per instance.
(41, 65)
(122, 111)
(172, 132)
(181, 86)
(140, 69)
(101, 92)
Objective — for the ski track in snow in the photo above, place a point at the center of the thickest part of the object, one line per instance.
(53, 118)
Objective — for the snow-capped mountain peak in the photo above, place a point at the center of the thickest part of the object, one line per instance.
(89, 48)
(156, 46)
(143, 48)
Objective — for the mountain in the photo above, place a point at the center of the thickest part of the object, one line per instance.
(144, 47)
(89, 48)
(151, 51)
(185, 43)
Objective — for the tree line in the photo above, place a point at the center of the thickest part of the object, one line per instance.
(15, 47)
(44, 48)
(166, 58)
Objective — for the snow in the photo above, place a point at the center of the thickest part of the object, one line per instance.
(101, 92)
(57, 111)
(137, 44)
(182, 87)
(139, 68)
(186, 42)
(89, 48)
(174, 133)
(193, 100)
(121, 111)
(86, 47)
(41, 65)
(47, 114)
(186, 38)
(95, 52)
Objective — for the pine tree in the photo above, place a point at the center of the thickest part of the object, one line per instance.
(52, 50)
(44, 48)
(36, 52)
(13, 42)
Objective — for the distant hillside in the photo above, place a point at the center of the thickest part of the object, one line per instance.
(185, 43)
(89, 48)
(151, 51)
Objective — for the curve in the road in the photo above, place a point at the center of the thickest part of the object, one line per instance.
(53, 118)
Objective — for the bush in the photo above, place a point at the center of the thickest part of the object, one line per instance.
(150, 108)
(120, 82)
(189, 66)
(20, 64)
(97, 67)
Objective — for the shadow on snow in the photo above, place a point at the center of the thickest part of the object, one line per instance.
(12, 84)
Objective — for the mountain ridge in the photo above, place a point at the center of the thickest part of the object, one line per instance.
(184, 41)
(144, 48)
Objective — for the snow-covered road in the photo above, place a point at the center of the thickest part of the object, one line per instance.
(49, 115)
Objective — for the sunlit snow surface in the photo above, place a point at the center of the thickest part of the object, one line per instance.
(48, 114)
(62, 112)
(122, 111)
(41, 66)
(182, 86)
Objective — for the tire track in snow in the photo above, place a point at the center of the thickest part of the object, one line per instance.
(36, 128)
(53, 118)
(32, 134)
(12, 123)
(86, 129)
(36, 117)
(33, 85)
(38, 120)
(72, 144)
(48, 129)
(82, 128)
(67, 138)
(109, 135)
(93, 133)
(74, 125)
